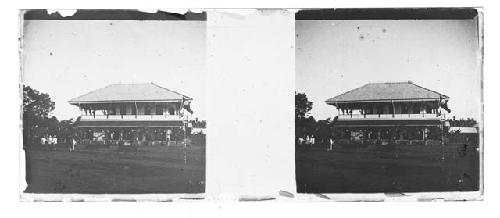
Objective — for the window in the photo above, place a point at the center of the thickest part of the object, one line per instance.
(380, 109)
(404, 109)
(159, 109)
(391, 109)
(369, 110)
(147, 110)
(386, 109)
(171, 111)
(410, 109)
(428, 109)
(123, 109)
(418, 109)
(134, 110)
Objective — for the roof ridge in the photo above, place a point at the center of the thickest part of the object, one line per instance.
(128, 84)
(393, 82)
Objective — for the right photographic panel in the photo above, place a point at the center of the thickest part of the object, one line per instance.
(388, 100)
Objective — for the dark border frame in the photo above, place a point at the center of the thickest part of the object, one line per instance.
(113, 14)
(386, 14)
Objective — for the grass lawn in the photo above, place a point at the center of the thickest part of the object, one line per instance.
(102, 169)
(388, 169)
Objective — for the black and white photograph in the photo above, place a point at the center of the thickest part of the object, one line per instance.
(113, 102)
(302, 105)
(344, 108)
(388, 100)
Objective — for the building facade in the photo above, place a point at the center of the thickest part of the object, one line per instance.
(132, 113)
(394, 112)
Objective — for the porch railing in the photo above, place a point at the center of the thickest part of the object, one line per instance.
(389, 116)
(131, 117)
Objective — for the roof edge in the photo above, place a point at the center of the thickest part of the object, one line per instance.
(386, 100)
(124, 101)
(184, 96)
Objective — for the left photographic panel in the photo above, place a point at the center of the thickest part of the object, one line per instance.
(113, 101)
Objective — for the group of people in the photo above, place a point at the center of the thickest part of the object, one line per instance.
(311, 140)
(308, 140)
(52, 142)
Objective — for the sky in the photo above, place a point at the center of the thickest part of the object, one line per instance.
(69, 58)
(336, 56)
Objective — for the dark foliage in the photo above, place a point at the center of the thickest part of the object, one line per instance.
(36, 109)
(196, 123)
(469, 122)
(302, 105)
(304, 124)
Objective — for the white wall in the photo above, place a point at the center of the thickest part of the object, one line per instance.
(251, 65)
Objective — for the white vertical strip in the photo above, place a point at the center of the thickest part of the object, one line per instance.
(251, 83)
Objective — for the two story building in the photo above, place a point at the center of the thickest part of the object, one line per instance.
(397, 112)
(131, 113)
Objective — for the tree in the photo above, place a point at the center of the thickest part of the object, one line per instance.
(52, 125)
(324, 130)
(67, 129)
(196, 123)
(302, 105)
(304, 124)
(36, 108)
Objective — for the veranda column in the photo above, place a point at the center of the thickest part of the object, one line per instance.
(423, 133)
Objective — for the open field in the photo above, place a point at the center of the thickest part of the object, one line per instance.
(106, 169)
(388, 169)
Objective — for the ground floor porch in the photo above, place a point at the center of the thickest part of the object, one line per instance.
(131, 135)
(413, 135)
(389, 132)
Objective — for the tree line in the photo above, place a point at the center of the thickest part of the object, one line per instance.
(37, 119)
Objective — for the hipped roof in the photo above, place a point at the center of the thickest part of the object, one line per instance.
(373, 92)
(130, 92)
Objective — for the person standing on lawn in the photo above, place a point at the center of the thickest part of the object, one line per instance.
(331, 144)
(51, 143)
(73, 144)
(169, 132)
